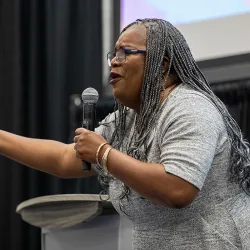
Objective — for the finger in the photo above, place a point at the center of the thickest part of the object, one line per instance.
(76, 138)
(78, 156)
(79, 131)
(75, 149)
(77, 153)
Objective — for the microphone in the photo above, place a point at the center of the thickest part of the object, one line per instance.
(89, 98)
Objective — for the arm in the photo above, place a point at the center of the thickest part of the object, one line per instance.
(151, 181)
(47, 156)
(188, 144)
(148, 179)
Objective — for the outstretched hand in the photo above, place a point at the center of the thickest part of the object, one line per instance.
(86, 144)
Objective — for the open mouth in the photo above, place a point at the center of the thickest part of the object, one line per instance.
(115, 77)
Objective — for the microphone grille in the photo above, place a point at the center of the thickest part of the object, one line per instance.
(90, 95)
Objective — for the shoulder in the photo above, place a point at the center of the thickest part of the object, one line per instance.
(191, 130)
(108, 124)
(188, 105)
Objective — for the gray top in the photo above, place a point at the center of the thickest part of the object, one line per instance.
(191, 142)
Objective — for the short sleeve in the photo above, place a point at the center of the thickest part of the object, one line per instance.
(190, 138)
(107, 126)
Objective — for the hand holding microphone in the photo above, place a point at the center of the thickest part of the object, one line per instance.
(87, 142)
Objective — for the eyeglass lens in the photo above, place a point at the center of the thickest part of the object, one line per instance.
(119, 54)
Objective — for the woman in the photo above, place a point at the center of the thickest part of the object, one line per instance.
(171, 157)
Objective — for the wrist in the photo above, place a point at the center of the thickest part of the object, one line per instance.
(101, 152)
(105, 159)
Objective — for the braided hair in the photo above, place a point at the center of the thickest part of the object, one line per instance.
(163, 39)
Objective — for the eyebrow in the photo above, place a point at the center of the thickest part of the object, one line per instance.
(122, 46)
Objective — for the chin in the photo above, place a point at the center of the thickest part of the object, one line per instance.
(117, 96)
(124, 101)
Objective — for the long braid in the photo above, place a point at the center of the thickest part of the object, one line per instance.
(163, 39)
(189, 73)
(152, 85)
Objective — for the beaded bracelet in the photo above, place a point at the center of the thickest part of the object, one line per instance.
(105, 159)
(97, 153)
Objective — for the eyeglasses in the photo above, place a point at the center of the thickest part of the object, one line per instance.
(120, 55)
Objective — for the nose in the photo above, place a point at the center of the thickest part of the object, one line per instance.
(114, 62)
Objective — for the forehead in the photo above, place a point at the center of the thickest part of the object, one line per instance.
(134, 36)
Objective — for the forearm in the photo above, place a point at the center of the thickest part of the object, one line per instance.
(45, 155)
(150, 180)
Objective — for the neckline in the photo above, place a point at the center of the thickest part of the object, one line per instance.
(170, 94)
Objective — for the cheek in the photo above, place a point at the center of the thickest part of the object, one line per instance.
(135, 75)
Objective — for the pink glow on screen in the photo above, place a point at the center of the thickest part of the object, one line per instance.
(136, 9)
(180, 11)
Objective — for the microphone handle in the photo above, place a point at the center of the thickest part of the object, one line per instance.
(86, 166)
(89, 116)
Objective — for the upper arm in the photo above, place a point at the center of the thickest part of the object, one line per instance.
(189, 142)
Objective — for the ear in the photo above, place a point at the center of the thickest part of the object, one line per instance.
(165, 65)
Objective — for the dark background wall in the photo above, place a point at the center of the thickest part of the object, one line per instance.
(50, 51)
